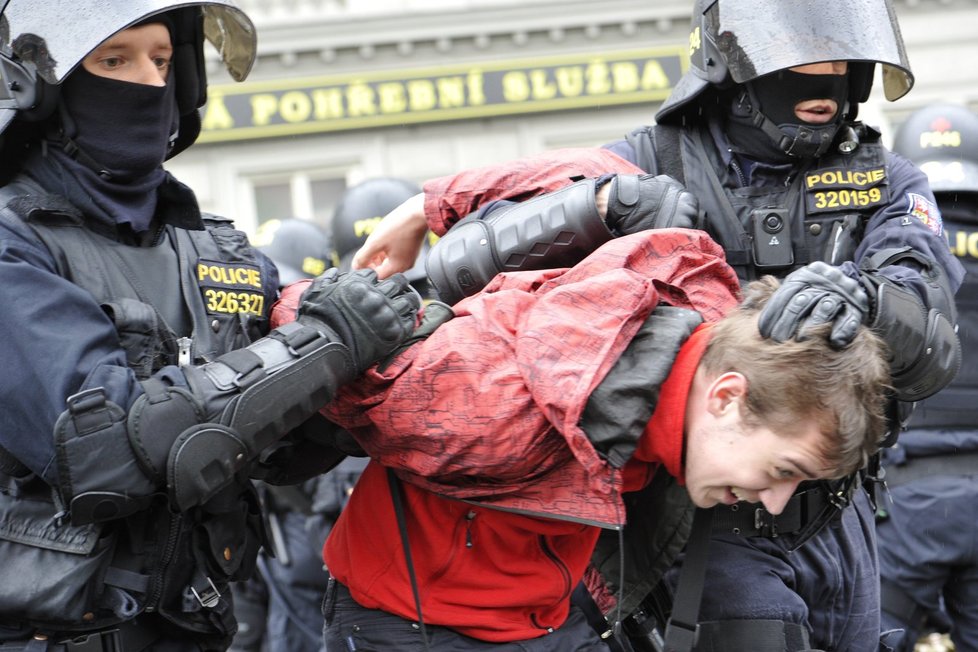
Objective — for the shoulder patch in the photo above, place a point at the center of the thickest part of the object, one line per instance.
(926, 211)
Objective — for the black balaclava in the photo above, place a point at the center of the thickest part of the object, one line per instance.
(114, 138)
(762, 122)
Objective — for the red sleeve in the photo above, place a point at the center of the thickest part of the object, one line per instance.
(449, 199)
(283, 311)
(496, 395)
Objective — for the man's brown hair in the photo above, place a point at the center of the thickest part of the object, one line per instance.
(844, 389)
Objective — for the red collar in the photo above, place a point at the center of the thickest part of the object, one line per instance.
(664, 438)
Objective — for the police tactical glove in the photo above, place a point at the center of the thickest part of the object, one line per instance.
(813, 295)
(641, 202)
(369, 316)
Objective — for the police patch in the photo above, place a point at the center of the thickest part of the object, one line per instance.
(926, 211)
(841, 189)
(230, 288)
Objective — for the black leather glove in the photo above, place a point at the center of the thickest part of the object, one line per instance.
(371, 317)
(816, 294)
(641, 202)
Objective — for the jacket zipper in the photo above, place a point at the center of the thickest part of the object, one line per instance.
(740, 173)
(564, 575)
(469, 517)
(604, 525)
(173, 534)
(561, 567)
(467, 521)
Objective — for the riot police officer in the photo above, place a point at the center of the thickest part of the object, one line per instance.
(762, 130)
(141, 385)
(927, 526)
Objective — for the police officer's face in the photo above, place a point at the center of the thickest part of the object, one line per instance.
(819, 111)
(140, 55)
(727, 460)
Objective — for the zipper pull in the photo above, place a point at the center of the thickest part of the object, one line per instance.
(468, 528)
(63, 513)
(183, 351)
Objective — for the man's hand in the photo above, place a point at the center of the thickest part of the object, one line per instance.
(371, 317)
(641, 202)
(815, 294)
(395, 243)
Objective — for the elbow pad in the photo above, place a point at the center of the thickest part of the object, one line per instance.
(558, 229)
(194, 440)
(925, 352)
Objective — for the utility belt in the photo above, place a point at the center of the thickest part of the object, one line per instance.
(803, 510)
(920, 468)
(130, 636)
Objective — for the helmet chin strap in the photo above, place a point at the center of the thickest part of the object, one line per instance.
(797, 140)
(59, 134)
(73, 150)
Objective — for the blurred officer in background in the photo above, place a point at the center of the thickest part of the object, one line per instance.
(280, 609)
(299, 248)
(360, 211)
(762, 131)
(928, 526)
(141, 384)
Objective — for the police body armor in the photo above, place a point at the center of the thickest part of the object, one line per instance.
(756, 227)
(177, 564)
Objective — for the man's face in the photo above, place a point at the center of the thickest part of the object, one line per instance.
(140, 55)
(727, 461)
(820, 110)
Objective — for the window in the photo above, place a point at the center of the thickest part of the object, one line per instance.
(300, 194)
(273, 201)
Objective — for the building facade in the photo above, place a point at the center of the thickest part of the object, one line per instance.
(345, 90)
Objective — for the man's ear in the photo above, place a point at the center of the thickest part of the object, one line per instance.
(727, 391)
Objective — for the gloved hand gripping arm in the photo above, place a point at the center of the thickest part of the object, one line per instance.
(193, 440)
(558, 229)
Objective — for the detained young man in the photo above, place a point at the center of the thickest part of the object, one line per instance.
(511, 433)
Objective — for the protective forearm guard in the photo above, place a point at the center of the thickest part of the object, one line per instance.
(554, 230)
(925, 352)
(194, 440)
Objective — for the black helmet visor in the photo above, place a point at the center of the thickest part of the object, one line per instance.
(57, 36)
(759, 37)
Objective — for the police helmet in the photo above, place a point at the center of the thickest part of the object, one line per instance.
(43, 41)
(735, 42)
(363, 206)
(942, 140)
(417, 276)
(299, 248)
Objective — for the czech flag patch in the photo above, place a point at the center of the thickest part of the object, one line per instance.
(926, 211)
